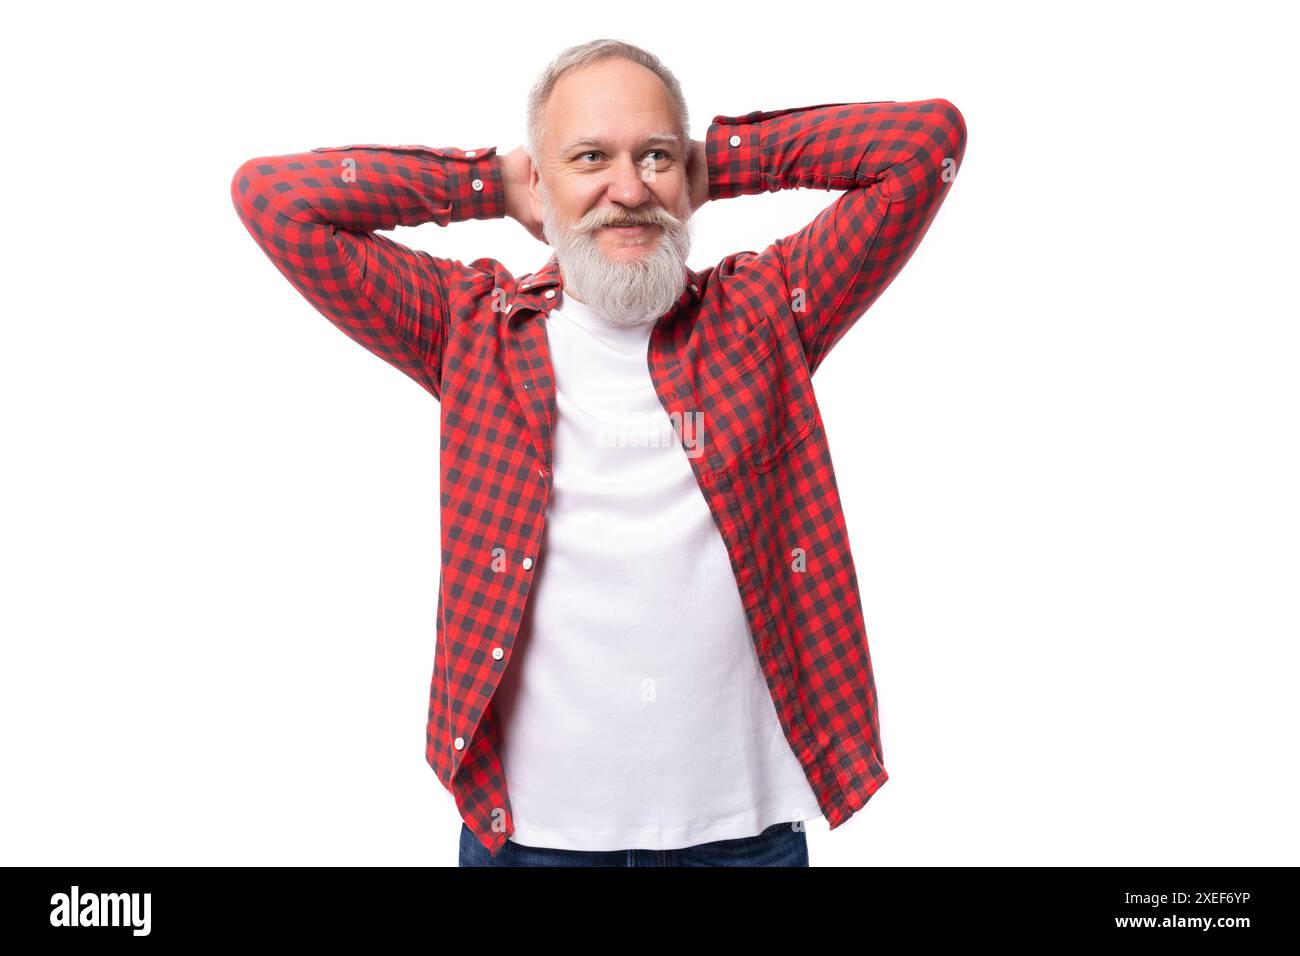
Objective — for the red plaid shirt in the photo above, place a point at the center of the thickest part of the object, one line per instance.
(737, 352)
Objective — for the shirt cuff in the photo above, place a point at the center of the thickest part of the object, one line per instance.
(474, 186)
(732, 148)
(469, 182)
(740, 162)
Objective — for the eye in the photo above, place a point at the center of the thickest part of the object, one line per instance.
(664, 152)
(591, 152)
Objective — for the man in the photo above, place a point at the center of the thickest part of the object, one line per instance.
(649, 646)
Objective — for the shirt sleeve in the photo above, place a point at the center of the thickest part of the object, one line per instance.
(895, 162)
(315, 215)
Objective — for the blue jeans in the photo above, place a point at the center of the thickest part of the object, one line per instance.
(781, 844)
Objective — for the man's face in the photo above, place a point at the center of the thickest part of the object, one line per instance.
(611, 189)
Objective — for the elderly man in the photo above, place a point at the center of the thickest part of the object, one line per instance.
(649, 644)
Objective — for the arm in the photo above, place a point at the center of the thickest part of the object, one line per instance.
(895, 161)
(315, 214)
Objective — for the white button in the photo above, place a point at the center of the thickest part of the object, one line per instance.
(528, 563)
(477, 184)
(470, 154)
(694, 287)
(735, 141)
(550, 293)
(460, 743)
(497, 653)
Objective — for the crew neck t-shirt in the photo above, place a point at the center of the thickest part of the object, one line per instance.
(634, 713)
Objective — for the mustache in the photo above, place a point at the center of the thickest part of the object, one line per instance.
(650, 217)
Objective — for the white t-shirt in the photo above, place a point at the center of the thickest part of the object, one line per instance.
(634, 713)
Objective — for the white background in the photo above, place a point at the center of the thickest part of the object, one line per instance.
(1065, 436)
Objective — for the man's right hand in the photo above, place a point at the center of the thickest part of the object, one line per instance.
(516, 173)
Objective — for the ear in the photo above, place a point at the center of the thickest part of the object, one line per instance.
(534, 192)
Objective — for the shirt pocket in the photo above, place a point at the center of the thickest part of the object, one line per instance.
(776, 443)
(750, 349)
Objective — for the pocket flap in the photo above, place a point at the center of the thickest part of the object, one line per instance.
(797, 426)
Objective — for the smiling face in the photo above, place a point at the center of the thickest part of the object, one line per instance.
(610, 188)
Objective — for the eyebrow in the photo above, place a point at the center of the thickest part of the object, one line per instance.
(670, 138)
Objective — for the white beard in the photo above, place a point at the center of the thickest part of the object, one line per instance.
(632, 292)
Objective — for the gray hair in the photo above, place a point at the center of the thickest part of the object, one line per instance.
(581, 55)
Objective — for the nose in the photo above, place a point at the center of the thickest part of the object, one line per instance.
(628, 187)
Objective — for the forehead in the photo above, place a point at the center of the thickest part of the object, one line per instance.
(612, 100)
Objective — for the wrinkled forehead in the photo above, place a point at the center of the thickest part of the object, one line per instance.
(617, 105)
